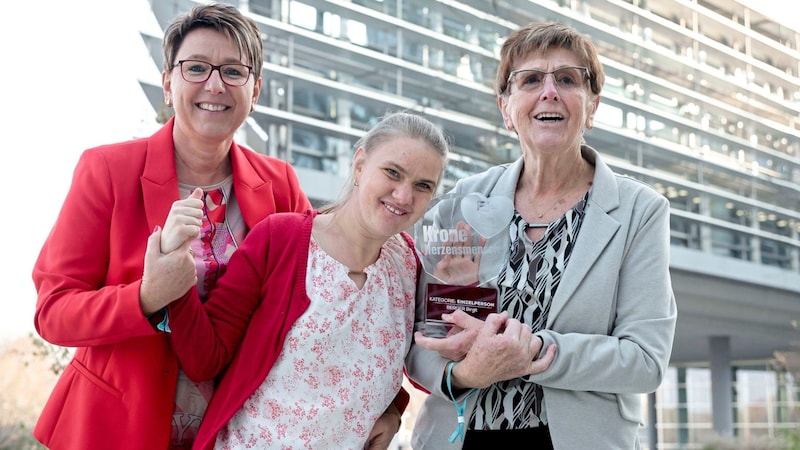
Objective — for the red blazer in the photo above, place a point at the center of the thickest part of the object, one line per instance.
(119, 389)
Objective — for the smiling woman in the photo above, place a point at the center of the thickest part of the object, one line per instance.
(580, 245)
(90, 291)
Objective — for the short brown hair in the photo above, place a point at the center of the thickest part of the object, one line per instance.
(541, 37)
(226, 19)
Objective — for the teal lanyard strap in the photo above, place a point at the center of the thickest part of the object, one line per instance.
(459, 407)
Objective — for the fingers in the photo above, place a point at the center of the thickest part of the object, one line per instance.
(184, 222)
(499, 348)
(541, 364)
(153, 243)
(191, 206)
(521, 333)
(472, 243)
(186, 247)
(430, 343)
(196, 193)
(466, 231)
(461, 319)
(384, 429)
(453, 347)
(166, 276)
(459, 265)
(494, 323)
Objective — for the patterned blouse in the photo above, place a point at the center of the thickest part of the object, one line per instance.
(526, 286)
(342, 362)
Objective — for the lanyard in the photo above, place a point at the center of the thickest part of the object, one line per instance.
(460, 407)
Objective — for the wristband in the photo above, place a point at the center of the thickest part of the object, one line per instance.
(160, 320)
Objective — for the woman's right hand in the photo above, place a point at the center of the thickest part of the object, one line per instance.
(464, 329)
(184, 222)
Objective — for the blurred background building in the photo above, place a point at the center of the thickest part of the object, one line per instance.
(702, 101)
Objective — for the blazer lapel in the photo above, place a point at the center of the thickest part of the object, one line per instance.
(253, 193)
(159, 180)
(597, 230)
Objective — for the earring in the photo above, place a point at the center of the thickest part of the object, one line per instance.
(168, 102)
(355, 183)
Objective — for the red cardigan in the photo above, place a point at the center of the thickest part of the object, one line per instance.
(119, 389)
(269, 270)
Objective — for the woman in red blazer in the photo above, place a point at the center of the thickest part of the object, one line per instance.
(122, 388)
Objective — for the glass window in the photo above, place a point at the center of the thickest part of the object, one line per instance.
(729, 243)
(303, 15)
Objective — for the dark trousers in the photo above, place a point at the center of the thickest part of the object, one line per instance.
(538, 438)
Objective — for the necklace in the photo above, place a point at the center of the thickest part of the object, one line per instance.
(324, 229)
(558, 201)
(552, 207)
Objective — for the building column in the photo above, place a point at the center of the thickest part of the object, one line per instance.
(721, 385)
(683, 408)
(652, 423)
(344, 151)
(435, 54)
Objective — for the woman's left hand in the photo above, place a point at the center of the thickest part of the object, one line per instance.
(166, 277)
(384, 430)
(184, 222)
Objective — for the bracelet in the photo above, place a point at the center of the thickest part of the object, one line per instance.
(160, 320)
(459, 407)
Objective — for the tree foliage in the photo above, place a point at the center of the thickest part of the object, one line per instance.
(57, 356)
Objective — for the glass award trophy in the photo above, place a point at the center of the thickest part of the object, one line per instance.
(451, 240)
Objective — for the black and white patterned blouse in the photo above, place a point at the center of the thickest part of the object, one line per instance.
(525, 287)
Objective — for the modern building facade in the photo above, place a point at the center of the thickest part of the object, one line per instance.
(702, 101)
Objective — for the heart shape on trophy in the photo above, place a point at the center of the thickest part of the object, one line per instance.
(487, 216)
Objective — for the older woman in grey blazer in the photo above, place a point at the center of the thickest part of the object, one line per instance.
(587, 312)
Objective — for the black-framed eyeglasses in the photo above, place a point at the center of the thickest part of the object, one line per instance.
(532, 80)
(196, 71)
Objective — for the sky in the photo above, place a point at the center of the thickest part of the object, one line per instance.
(69, 82)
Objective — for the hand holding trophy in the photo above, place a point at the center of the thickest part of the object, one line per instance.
(451, 239)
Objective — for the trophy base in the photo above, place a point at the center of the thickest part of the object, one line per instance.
(476, 301)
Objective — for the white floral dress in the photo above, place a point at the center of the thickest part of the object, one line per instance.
(342, 362)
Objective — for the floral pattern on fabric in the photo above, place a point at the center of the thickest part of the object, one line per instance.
(342, 362)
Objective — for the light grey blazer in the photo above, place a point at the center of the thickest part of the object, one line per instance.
(613, 319)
